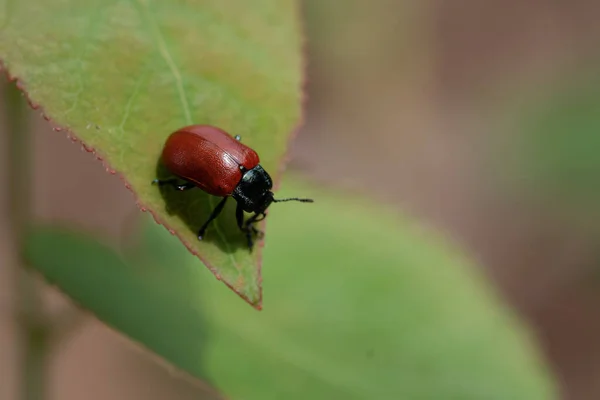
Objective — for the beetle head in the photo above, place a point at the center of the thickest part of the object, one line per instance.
(254, 193)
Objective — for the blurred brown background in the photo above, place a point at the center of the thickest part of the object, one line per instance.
(399, 98)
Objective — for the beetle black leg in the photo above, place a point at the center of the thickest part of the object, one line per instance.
(249, 239)
(214, 214)
(248, 228)
(250, 224)
(174, 183)
(256, 218)
(239, 217)
(238, 138)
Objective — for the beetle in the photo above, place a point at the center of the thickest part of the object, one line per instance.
(209, 158)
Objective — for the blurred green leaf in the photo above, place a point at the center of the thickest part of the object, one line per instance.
(123, 75)
(361, 304)
(551, 151)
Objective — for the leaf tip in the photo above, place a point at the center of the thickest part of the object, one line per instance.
(250, 298)
(254, 301)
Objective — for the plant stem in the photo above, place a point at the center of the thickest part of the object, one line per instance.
(33, 331)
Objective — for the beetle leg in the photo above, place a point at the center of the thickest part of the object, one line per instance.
(249, 239)
(250, 224)
(214, 214)
(175, 184)
(239, 217)
(247, 228)
(185, 186)
(238, 138)
(258, 233)
(256, 219)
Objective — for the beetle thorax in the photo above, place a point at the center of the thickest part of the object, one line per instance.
(253, 192)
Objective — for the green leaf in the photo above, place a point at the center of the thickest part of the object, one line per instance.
(122, 75)
(361, 304)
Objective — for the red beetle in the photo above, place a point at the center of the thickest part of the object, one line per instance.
(209, 158)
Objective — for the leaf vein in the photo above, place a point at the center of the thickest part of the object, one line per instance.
(166, 54)
(130, 101)
(91, 26)
(8, 12)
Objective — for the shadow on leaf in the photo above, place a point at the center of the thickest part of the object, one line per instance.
(194, 206)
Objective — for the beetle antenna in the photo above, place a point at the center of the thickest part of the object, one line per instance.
(294, 199)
